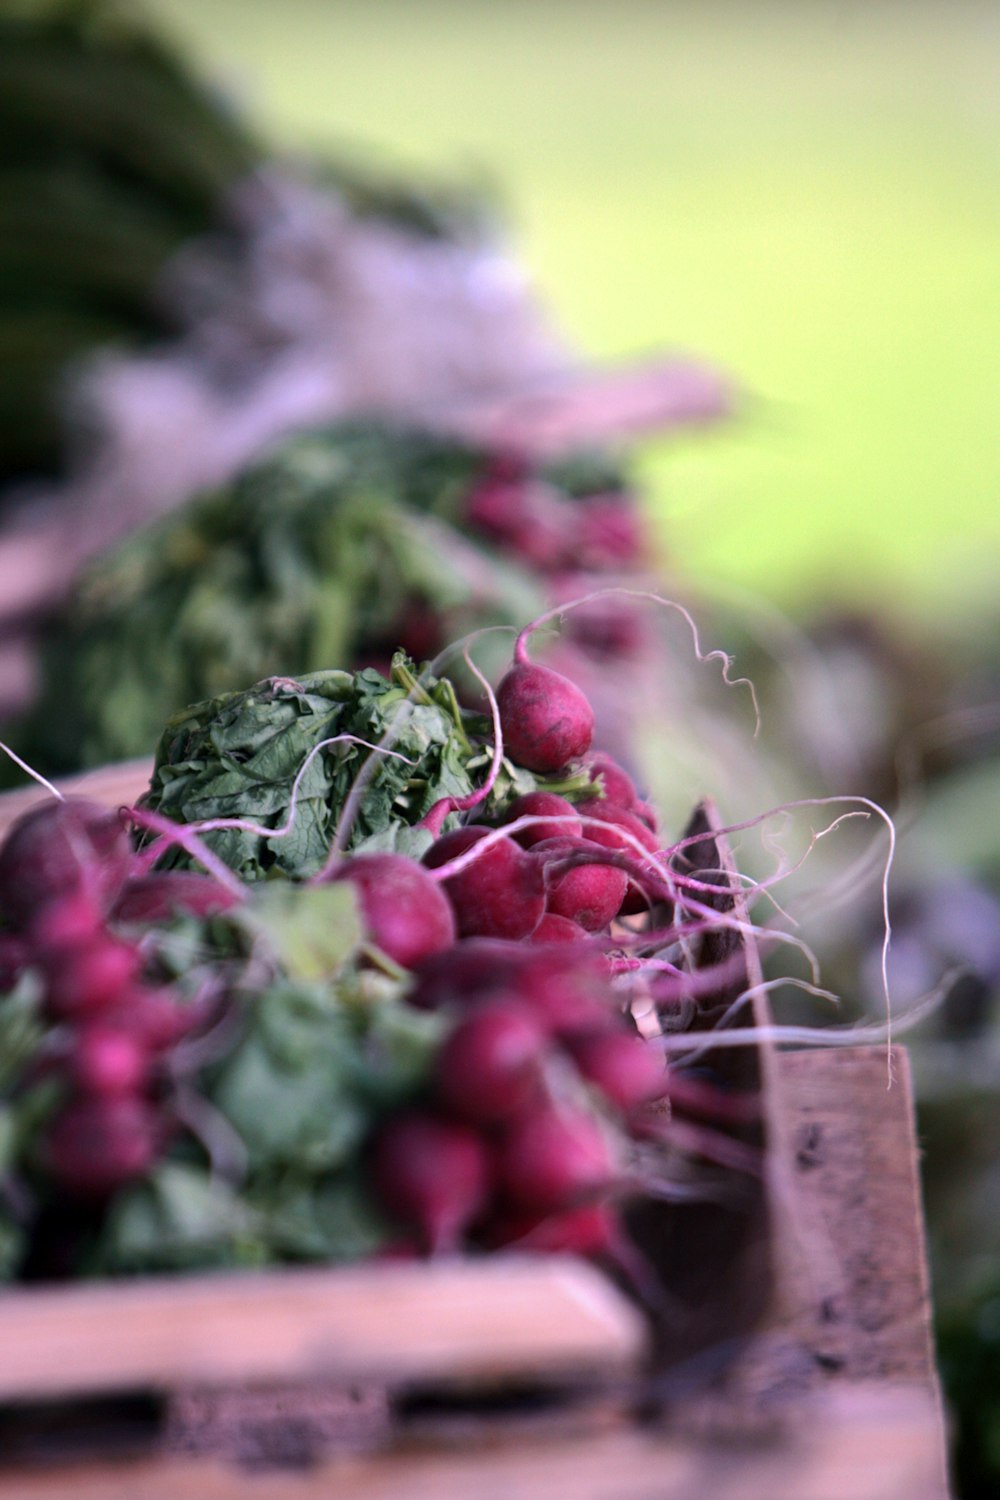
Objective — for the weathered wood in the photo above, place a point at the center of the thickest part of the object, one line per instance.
(860, 1274)
(868, 1442)
(547, 1318)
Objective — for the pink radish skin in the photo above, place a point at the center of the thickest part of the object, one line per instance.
(149, 899)
(589, 895)
(581, 884)
(109, 1062)
(564, 985)
(618, 786)
(95, 1146)
(432, 1175)
(608, 817)
(544, 805)
(153, 1017)
(65, 922)
(546, 719)
(89, 977)
(550, 1159)
(626, 1069)
(405, 911)
(490, 1066)
(499, 895)
(590, 1229)
(57, 850)
(553, 929)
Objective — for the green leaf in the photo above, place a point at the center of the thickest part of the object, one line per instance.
(287, 1089)
(313, 931)
(178, 1218)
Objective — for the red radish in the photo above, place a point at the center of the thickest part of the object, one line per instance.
(473, 970)
(57, 850)
(550, 1159)
(526, 515)
(553, 929)
(163, 895)
(626, 1069)
(109, 1062)
(610, 817)
(581, 883)
(94, 1146)
(617, 785)
(154, 1017)
(607, 817)
(405, 911)
(588, 894)
(490, 1066)
(65, 922)
(546, 719)
(432, 1175)
(565, 985)
(545, 805)
(88, 977)
(501, 894)
(610, 531)
(587, 1229)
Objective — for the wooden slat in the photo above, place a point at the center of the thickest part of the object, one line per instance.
(870, 1442)
(117, 785)
(468, 1320)
(860, 1279)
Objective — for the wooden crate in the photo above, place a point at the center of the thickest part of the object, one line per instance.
(798, 1367)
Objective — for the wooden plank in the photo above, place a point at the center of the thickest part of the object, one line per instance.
(546, 1317)
(117, 785)
(860, 1273)
(869, 1442)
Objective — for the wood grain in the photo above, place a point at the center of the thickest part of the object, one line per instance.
(549, 1317)
(869, 1442)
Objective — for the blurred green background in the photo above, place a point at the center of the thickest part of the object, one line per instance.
(807, 195)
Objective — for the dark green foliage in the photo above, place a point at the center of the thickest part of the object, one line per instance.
(324, 552)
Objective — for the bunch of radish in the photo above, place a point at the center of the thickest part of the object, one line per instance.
(522, 934)
(526, 1134)
(77, 911)
(570, 541)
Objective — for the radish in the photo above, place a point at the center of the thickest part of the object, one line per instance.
(59, 849)
(554, 929)
(108, 1062)
(546, 719)
(587, 1229)
(405, 911)
(490, 1066)
(564, 985)
(159, 897)
(588, 894)
(617, 785)
(609, 816)
(545, 805)
(94, 1146)
(626, 1069)
(65, 922)
(550, 1159)
(432, 1175)
(473, 970)
(87, 977)
(501, 894)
